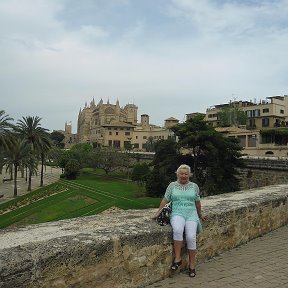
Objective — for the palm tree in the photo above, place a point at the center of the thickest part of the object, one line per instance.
(45, 146)
(35, 135)
(5, 135)
(32, 165)
(17, 155)
(5, 129)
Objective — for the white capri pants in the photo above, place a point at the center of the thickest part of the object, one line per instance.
(178, 224)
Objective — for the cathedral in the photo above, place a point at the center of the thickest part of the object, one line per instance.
(110, 125)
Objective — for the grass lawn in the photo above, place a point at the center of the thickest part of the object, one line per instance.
(90, 194)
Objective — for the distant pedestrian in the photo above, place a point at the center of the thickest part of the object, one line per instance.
(185, 216)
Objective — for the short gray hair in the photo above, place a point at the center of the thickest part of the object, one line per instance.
(183, 166)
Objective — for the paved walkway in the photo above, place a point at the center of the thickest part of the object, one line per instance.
(7, 188)
(263, 263)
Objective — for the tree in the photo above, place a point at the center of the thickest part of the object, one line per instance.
(232, 116)
(166, 161)
(140, 172)
(150, 144)
(82, 152)
(215, 157)
(72, 169)
(61, 157)
(29, 128)
(5, 129)
(57, 139)
(108, 159)
(44, 148)
(16, 157)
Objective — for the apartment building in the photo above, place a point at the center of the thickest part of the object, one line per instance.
(268, 113)
(271, 113)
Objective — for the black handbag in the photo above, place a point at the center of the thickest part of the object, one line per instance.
(164, 216)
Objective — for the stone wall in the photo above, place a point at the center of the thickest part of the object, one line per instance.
(263, 172)
(127, 248)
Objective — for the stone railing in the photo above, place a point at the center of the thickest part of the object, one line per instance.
(127, 248)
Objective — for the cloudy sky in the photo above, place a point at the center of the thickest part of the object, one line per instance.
(169, 57)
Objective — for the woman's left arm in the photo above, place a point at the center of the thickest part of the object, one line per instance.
(199, 211)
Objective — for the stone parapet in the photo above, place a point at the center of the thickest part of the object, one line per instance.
(127, 248)
(256, 177)
(271, 164)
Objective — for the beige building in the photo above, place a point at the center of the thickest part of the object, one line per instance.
(271, 113)
(256, 144)
(113, 126)
(268, 113)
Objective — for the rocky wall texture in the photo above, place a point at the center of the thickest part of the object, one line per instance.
(257, 177)
(127, 248)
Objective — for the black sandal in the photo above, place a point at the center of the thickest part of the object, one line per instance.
(176, 265)
(192, 272)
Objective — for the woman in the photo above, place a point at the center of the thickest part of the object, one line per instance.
(186, 215)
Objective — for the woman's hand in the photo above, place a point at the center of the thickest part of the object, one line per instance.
(203, 217)
(156, 215)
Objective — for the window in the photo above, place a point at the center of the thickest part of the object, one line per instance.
(281, 111)
(253, 113)
(136, 145)
(252, 140)
(265, 110)
(110, 143)
(256, 113)
(116, 133)
(266, 139)
(252, 123)
(242, 140)
(110, 133)
(144, 137)
(116, 143)
(128, 134)
(265, 122)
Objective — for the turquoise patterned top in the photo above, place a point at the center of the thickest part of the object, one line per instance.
(183, 197)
